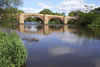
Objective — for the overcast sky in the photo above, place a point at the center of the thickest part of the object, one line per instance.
(34, 6)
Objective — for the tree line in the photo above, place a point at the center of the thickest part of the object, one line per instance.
(9, 7)
(90, 18)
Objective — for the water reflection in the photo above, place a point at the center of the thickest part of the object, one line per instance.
(60, 46)
(46, 29)
(64, 46)
(60, 51)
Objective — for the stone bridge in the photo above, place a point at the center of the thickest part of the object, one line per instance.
(44, 17)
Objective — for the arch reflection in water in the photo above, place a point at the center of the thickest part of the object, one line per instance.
(42, 29)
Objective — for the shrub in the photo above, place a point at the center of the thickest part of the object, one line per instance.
(12, 51)
(96, 21)
(73, 22)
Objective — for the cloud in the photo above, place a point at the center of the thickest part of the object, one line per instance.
(70, 38)
(64, 6)
(88, 7)
(31, 10)
(60, 51)
(68, 5)
(43, 6)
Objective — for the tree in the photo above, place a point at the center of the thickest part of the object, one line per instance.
(63, 13)
(10, 3)
(96, 14)
(97, 9)
(9, 15)
(90, 17)
(73, 13)
(7, 7)
(83, 18)
(46, 11)
(11, 10)
(88, 8)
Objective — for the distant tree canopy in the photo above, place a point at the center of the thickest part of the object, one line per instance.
(84, 19)
(75, 13)
(10, 6)
(48, 11)
(9, 10)
(10, 3)
(97, 9)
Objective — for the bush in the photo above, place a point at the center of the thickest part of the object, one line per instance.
(12, 51)
(5, 19)
(96, 21)
(73, 22)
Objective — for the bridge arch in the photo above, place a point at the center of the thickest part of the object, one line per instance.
(56, 19)
(37, 19)
(34, 16)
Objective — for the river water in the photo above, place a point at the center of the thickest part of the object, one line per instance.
(58, 45)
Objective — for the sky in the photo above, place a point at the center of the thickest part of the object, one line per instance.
(35, 6)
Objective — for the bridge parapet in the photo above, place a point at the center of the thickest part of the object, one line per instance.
(33, 14)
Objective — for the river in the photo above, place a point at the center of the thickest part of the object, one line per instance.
(58, 45)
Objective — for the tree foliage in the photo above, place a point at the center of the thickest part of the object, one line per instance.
(31, 19)
(10, 3)
(9, 10)
(48, 11)
(97, 9)
(84, 19)
(73, 13)
(9, 15)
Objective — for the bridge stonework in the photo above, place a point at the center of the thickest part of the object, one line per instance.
(44, 17)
